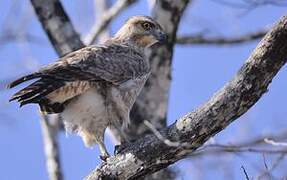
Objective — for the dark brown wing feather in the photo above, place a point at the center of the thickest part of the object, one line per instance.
(23, 79)
(36, 91)
(112, 63)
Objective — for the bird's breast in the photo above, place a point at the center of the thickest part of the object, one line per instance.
(126, 93)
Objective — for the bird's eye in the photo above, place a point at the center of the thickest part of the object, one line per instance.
(147, 26)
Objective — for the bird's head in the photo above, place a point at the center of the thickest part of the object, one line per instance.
(142, 31)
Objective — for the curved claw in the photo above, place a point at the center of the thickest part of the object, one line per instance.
(118, 149)
(104, 157)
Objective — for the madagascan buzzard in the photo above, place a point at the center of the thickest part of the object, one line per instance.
(95, 87)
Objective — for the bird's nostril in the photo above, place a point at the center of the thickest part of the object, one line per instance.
(162, 37)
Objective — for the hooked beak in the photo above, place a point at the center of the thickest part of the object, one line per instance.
(161, 36)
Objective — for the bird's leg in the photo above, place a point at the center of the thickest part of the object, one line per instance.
(104, 153)
(123, 138)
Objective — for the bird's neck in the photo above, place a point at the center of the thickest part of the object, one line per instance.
(131, 41)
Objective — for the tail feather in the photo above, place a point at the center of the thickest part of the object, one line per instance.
(37, 91)
(23, 79)
(26, 93)
(36, 98)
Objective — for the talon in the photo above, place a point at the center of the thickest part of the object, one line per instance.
(118, 149)
(104, 157)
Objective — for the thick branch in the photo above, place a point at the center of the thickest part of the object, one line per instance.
(57, 25)
(149, 154)
(199, 39)
(64, 39)
(106, 18)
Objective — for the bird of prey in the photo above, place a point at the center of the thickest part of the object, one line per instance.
(95, 87)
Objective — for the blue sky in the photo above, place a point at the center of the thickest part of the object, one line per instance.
(197, 73)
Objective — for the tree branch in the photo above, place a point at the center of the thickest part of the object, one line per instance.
(106, 18)
(50, 128)
(248, 146)
(101, 7)
(201, 40)
(245, 173)
(57, 25)
(246, 4)
(64, 38)
(149, 154)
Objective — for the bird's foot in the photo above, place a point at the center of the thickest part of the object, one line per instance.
(121, 147)
(104, 157)
(118, 149)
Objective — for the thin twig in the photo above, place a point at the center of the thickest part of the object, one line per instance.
(246, 175)
(199, 39)
(232, 149)
(246, 146)
(107, 17)
(160, 136)
(264, 161)
(274, 143)
(247, 4)
(274, 166)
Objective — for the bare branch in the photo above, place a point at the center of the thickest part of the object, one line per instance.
(276, 163)
(201, 40)
(106, 18)
(64, 39)
(245, 173)
(273, 143)
(221, 148)
(161, 137)
(250, 146)
(50, 130)
(101, 7)
(57, 25)
(251, 4)
(149, 154)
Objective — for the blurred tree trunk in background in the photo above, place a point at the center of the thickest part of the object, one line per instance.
(153, 146)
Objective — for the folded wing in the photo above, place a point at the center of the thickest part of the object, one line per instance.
(73, 74)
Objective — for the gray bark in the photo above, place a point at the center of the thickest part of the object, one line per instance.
(64, 39)
(50, 128)
(57, 25)
(150, 153)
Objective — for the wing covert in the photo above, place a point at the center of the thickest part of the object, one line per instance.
(112, 63)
